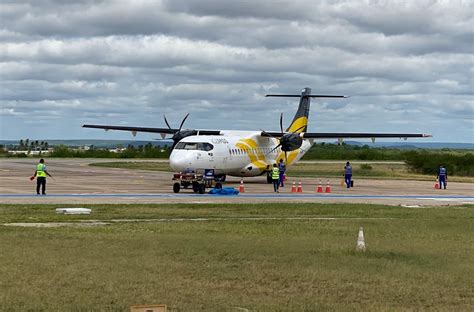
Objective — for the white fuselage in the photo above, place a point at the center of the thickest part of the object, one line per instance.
(235, 153)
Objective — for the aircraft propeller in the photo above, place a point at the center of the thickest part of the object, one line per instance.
(180, 134)
(289, 141)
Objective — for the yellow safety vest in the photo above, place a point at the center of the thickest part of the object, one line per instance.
(40, 171)
(275, 173)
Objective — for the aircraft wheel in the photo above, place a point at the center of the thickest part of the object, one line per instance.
(202, 189)
(218, 185)
(176, 187)
(221, 178)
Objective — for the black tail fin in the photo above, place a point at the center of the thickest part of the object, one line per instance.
(300, 121)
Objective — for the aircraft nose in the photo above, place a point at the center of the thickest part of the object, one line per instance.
(180, 160)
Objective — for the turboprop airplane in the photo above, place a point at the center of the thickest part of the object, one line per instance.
(248, 153)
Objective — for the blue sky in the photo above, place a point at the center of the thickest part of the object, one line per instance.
(407, 66)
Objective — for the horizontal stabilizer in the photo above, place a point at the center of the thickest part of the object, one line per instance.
(309, 95)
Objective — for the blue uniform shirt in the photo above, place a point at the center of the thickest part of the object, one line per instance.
(442, 172)
(282, 167)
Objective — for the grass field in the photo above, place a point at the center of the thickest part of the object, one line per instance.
(261, 257)
(312, 169)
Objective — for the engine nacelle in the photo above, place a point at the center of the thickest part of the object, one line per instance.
(291, 141)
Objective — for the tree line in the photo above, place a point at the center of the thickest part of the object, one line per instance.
(457, 162)
(428, 162)
(142, 151)
(33, 145)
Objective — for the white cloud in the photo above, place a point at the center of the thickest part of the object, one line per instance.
(407, 66)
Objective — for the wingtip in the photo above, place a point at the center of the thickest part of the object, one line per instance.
(427, 135)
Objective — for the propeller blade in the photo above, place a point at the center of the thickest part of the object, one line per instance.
(286, 158)
(266, 133)
(281, 122)
(274, 149)
(182, 122)
(166, 122)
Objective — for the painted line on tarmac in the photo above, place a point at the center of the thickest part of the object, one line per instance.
(88, 223)
(208, 196)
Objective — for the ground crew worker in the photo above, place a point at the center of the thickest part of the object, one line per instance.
(442, 176)
(282, 168)
(348, 174)
(276, 178)
(40, 174)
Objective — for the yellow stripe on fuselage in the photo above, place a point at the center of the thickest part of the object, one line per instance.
(257, 158)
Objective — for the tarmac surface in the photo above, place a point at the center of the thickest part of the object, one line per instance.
(75, 182)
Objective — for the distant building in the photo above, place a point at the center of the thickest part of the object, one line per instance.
(117, 150)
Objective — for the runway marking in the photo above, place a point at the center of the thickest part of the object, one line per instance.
(208, 196)
(88, 223)
(457, 199)
(56, 224)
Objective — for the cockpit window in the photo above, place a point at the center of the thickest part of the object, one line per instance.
(205, 147)
(194, 146)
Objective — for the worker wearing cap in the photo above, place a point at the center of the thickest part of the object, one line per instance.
(348, 174)
(442, 176)
(40, 174)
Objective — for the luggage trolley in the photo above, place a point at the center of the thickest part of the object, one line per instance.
(198, 180)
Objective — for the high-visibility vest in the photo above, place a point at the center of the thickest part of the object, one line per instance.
(275, 173)
(40, 171)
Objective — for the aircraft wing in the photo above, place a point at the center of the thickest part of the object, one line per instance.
(348, 135)
(323, 135)
(152, 130)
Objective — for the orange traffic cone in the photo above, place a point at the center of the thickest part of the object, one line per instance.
(436, 184)
(328, 187)
(320, 187)
(241, 187)
(300, 188)
(293, 187)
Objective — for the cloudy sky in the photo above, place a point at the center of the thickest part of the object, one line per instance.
(407, 65)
